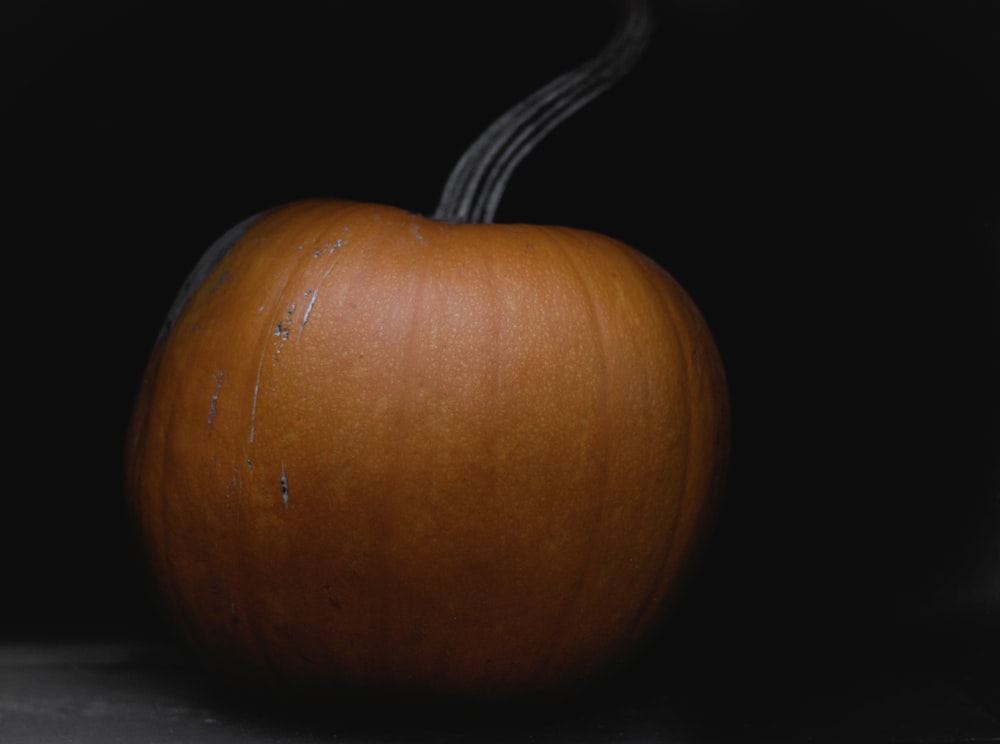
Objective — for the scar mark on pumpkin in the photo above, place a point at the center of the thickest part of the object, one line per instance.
(284, 486)
(329, 247)
(253, 407)
(313, 295)
(212, 404)
(282, 329)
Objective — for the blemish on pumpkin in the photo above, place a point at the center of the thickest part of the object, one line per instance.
(313, 295)
(234, 484)
(284, 486)
(309, 308)
(329, 247)
(253, 406)
(282, 329)
(212, 404)
(332, 601)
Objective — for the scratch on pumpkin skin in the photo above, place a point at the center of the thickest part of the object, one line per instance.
(253, 407)
(313, 294)
(284, 486)
(309, 307)
(329, 247)
(212, 409)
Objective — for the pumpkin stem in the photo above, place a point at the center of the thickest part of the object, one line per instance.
(474, 187)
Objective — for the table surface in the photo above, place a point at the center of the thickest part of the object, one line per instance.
(153, 693)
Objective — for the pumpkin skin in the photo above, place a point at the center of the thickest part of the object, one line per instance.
(374, 451)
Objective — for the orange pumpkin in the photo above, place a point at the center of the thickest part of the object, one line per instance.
(379, 449)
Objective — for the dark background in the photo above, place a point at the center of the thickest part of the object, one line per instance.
(823, 177)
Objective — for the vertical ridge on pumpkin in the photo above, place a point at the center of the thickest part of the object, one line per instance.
(697, 501)
(667, 570)
(396, 322)
(586, 302)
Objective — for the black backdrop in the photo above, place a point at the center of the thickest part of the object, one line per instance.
(823, 177)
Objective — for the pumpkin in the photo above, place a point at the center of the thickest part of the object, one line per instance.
(379, 451)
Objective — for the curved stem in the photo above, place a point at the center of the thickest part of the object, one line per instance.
(473, 190)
